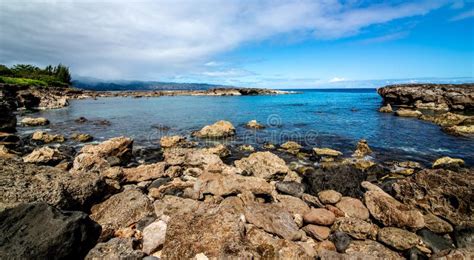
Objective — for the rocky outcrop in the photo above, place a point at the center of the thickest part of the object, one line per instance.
(7, 109)
(34, 121)
(454, 97)
(448, 163)
(39, 231)
(219, 129)
(264, 165)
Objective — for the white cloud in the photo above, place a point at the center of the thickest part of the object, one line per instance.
(154, 39)
(336, 79)
(463, 15)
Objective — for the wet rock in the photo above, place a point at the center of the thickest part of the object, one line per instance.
(21, 183)
(389, 211)
(386, 109)
(219, 150)
(448, 119)
(291, 188)
(219, 129)
(31, 121)
(154, 236)
(448, 163)
(319, 233)
(434, 242)
(80, 137)
(329, 196)
(44, 155)
(460, 130)
(246, 148)
(292, 204)
(39, 231)
(408, 113)
(171, 141)
(441, 192)
(326, 152)
(353, 208)
(319, 216)
(8, 138)
(362, 149)
(356, 228)
(47, 138)
(81, 120)
(341, 240)
(273, 219)
(253, 124)
(397, 238)
(144, 172)
(437, 224)
(264, 165)
(269, 146)
(291, 147)
(115, 248)
(120, 211)
(371, 248)
(464, 237)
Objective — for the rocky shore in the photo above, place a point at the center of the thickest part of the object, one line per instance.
(449, 105)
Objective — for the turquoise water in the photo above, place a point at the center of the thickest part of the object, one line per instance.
(329, 118)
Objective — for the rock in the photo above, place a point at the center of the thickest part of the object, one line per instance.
(463, 253)
(312, 200)
(408, 113)
(337, 212)
(268, 146)
(341, 241)
(363, 164)
(194, 158)
(219, 129)
(397, 238)
(441, 192)
(415, 254)
(356, 228)
(8, 138)
(22, 183)
(144, 172)
(319, 233)
(219, 150)
(171, 141)
(154, 236)
(8, 106)
(291, 188)
(319, 217)
(39, 231)
(176, 187)
(273, 219)
(449, 119)
(172, 205)
(362, 149)
(6, 153)
(389, 211)
(38, 121)
(246, 148)
(120, 211)
(460, 130)
(434, 242)
(371, 248)
(329, 196)
(437, 225)
(253, 124)
(47, 138)
(353, 208)
(464, 237)
(83, 138)
(386, 109)
(291, 147)
(109, 153)
(44, 155)
(264, 165)
(115, 248)
(326, 152)
(292, 204)
(448, 163)
(431, 106)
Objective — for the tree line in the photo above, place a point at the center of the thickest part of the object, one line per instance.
(52, 75)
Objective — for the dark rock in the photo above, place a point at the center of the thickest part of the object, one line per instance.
(341, 240)
(116, 248)
(7, 108)
(39, 231)
(435, 242)
(464, 237)
(81, 120)
(291, 188)
(415, 254)
(159, 182)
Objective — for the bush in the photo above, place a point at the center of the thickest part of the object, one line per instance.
(23, 81)
(58, 76)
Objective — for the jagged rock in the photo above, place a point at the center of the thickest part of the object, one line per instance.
(403, 112)
(273, 219)
(319, 233)
(441, 192)
(386, 109)
(219, 150)
(329, 196)
(154, 236)
(291, 188)
(356, 228)
(6, 153)
(448, 163)
(172, 205)
(362, 149)
(322, 217)
(460, 130)
(326, 152)
(195, 158)
(253, 124)
(171, 141)
(38, 121)
(292, 204)
(437, 224)
(219, 129)
(434, 242)
(371, 248)
(291, 147)
(39, 231)
(44, 155)
(449, 119)
(353, 208)
(389, 211)
(21, 183)
(397, 238)
(264, 165)
(47, 138)
(341, 241)
(120, 211)
(80, 137)
(109, 153)
(144, 172)
(115, 248)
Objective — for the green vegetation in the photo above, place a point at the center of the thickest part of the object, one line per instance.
(25, 74)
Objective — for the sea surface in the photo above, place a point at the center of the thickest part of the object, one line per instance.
(315, 118)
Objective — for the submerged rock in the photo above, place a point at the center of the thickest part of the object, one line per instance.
(219, 129)
(264, 165)
(403, 112)
(253, 124)
(31, 121)
(39, 231)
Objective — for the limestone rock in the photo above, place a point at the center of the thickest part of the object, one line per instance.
(362, 149)
(171, 141)
(80, 137)
(460, 130)
(195, 158)
(448, 163)
(329, 196)
(398, 238)
(253, 124)
(38, 121)
(144, 172)
(371, 248)
(246, 148)
(219, 129)
(219, 150)
(356, 228)
(436, 224)
(264, 165)
(44, 155)
(408, 113)
(353, 208)
(386, 109)
(47, 138)
(291, 147)
(322, 217)
(154, 236)
(292, 204)
(326, 152)
(172, 205)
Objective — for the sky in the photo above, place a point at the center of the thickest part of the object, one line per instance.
(249, 43)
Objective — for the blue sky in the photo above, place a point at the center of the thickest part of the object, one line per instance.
(281, 44)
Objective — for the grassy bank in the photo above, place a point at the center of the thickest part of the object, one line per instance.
(23, 81)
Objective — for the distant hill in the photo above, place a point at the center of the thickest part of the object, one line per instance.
(91, 84)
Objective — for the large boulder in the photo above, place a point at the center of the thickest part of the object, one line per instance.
(21, 182)
(441, 192)
(39, 231)
(448, 163)
(44, 155)
(353, 208)
(264, 165)
(203, 159)
(34, 121)
(44, 137)
(144, 172)
(219, 129)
